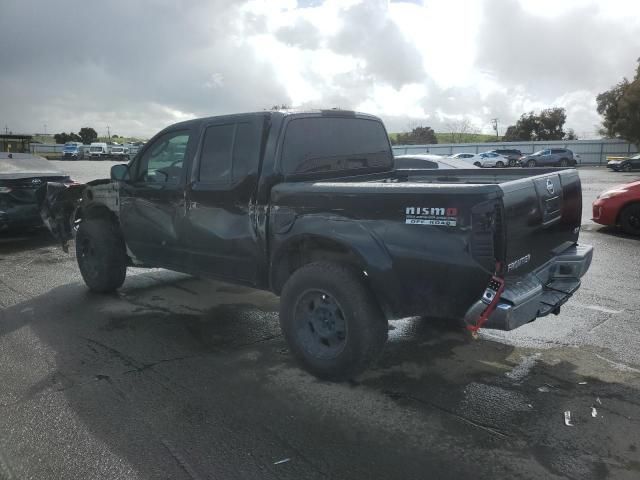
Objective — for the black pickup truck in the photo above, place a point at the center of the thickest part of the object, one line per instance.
(309, 206)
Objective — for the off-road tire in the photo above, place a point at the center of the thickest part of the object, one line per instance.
(363, 323)
(101, 255)
(630, 219)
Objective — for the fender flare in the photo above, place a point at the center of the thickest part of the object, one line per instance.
(353, 238)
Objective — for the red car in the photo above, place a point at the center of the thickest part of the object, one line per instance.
(619, 205)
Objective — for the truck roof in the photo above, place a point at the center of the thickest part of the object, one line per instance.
(279, 113)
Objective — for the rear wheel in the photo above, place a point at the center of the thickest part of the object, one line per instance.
(626, 167)
(478, 164)
(630, 219)
(531, 163)
(101, 255)
(499, 164)
(332, 323)
(564, 162)
(512, 163)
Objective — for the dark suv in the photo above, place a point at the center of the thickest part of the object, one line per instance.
(550, 157)
(511, 153)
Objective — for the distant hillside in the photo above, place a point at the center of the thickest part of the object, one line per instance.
(466, 138)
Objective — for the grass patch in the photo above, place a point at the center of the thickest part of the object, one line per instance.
(449, 138)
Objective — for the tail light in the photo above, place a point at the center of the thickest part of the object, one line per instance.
(487, 240)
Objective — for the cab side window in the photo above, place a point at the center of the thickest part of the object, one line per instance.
(229, 152)
(162, 162)
(215, 159)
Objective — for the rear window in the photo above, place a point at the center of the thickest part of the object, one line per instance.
(335, 144)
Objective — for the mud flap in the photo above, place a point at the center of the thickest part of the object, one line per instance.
(57, 203)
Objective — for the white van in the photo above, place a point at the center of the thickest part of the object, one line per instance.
(98, 150)
(119, 151)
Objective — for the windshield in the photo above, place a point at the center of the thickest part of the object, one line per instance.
(96, 149)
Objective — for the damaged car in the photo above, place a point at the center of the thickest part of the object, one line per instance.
(309, 206)
(21, 176)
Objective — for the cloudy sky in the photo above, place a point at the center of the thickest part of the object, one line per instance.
(139, 65)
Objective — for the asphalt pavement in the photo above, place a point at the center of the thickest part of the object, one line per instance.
(181, 378)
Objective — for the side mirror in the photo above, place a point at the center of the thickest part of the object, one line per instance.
(120, 172)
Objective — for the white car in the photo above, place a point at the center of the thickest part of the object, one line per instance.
(410, 162)
(488, 159)
(462, 156)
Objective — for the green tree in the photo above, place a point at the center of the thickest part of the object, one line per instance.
(88, 135)
(547, 125)
(620, 109)
(417, 136)
(66, 137)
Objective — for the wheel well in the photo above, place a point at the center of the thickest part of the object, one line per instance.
(628, 204)
(96, 211)
(308, 250)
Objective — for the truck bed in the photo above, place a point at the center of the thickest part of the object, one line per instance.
(439, 228)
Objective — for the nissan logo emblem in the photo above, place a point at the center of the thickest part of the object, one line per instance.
(550, 187)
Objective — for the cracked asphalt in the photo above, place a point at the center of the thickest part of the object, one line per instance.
(176, 377)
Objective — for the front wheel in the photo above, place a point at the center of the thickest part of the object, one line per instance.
(564, 162)
(512, 163)
(499, 164)
(331, 321)
(626, 167)
(478, 164)
(630, 219)
(531, 163)
(101, 255)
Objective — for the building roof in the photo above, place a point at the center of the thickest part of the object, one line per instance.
(15, 136)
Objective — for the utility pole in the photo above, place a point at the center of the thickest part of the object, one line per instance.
(6, 129)
(108, 133)
(494, 122)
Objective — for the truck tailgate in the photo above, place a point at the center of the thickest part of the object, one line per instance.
(542, 217)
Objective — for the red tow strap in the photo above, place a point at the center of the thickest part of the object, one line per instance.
(495, 289)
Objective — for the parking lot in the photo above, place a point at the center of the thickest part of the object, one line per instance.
(178, 377)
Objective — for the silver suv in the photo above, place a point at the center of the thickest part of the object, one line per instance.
(550, 157)
(512, 154)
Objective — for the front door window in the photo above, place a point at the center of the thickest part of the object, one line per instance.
(162, 162)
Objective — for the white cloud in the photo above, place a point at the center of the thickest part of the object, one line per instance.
(407, 61)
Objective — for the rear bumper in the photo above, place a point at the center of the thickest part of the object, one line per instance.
(539, 293)
(17, 217)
